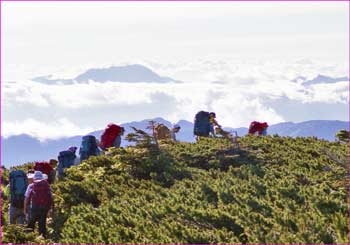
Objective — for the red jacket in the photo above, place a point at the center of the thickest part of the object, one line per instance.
(257, 127)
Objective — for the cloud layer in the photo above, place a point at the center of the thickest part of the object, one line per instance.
(238, 92)
(43, 130)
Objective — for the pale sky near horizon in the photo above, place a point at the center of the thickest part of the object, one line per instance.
(255, 48)
(51, 33)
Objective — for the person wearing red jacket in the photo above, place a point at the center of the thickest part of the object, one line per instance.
(38, 202)
(258, 127)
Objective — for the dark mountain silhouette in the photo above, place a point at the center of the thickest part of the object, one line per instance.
(23, 148)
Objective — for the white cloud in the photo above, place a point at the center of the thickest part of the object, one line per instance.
(237, 101)
(330, 93)
(43, 130)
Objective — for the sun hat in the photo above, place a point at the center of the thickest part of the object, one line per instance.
(38, 175)
(30, 175)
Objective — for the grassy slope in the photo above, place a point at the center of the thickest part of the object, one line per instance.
(274, 190)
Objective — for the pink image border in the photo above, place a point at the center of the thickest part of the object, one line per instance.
(1, 20)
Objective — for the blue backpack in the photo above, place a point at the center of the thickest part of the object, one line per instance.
(65, 160)
(201, 124)
(18, 187)
(88, 147)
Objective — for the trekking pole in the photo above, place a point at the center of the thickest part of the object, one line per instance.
(235, 139)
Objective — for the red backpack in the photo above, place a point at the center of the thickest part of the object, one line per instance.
(109, 135)
(253, 127)
(43, 167)
(41, 195)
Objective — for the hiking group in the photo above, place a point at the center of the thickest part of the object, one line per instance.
(31, 197)
(205, 125)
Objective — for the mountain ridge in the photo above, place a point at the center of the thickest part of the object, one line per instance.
(23, 148)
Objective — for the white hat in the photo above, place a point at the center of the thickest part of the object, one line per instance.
(30, 175)
(38, 175)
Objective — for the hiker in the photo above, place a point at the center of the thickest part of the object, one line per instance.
(46, 168)
(52, 175)
(18, 185)
(258, 127)
(176, 128)
(88, 147)
(38, 201)
(204, 124)
(162, 132)
(66, 159)
(30, 175)
(77, 159)
(111, 136)
(213, 123)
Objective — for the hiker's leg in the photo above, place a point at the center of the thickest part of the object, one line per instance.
(20, 216)
(12, 218)
(117, 141)
(42, 221)
(28, 215)
(33, 217)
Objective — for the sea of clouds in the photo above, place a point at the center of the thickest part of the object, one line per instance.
(239, 91)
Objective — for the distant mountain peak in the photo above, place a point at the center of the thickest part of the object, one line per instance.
(325, 79)
(129, 74)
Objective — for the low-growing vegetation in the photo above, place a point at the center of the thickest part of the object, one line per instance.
(271, 190)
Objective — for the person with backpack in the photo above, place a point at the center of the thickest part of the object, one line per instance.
(201, 124)
(118, 140)
(89, 147)
(38, 201)
(52, 175)
(174, 131)
(111, 136)
(74, 150)
(66, 159)
(213, 123)
(161, 132)
(18, 182)
(30, 175)
(204, 124)
(258, 127)
(45, 168)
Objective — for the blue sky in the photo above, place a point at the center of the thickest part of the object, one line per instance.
(255, 50)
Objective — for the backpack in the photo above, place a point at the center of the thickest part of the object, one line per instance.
(41, 196)
(65, 160)
(18, 187)
(43, 167)
(161, 132)
(201, 124)
(109, 134)
(88, 147)
(253, 127)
